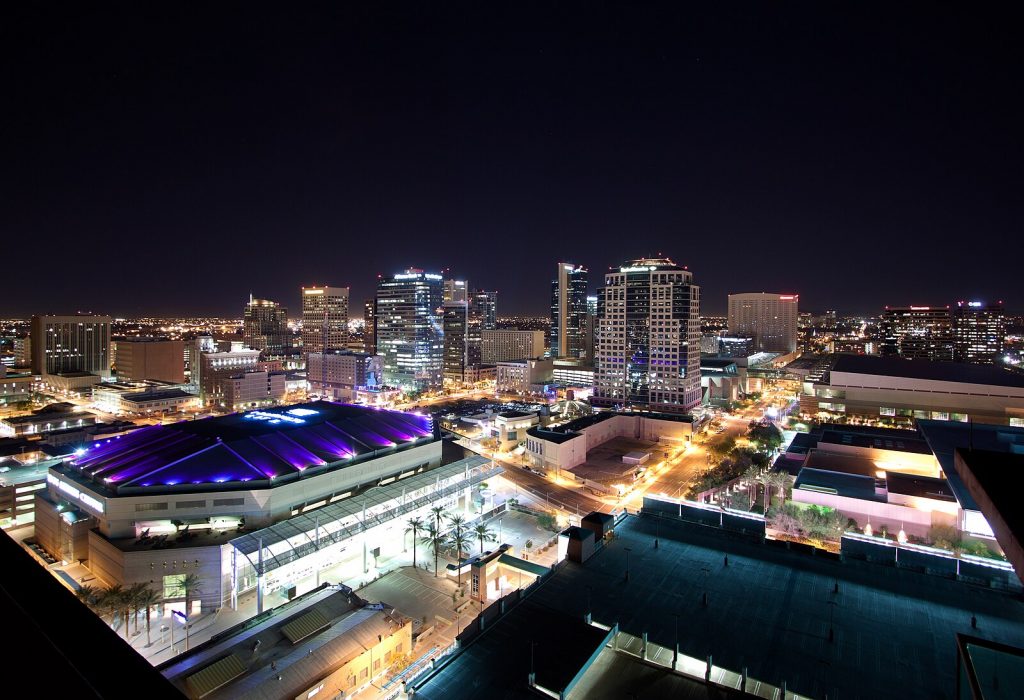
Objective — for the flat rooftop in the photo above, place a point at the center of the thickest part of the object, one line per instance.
(769, 611)
(924, 369)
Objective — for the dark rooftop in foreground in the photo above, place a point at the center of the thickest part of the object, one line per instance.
(963, 373)
(769, 610)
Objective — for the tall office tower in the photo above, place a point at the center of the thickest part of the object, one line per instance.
(265, 326)
(370, 326)
(648, 354)
(138, 359)
(569, 311)
(410, 336)
(979, 330)
(324, 318)
(770, 319)
(484, 305)
(590, 333)
(63, 344)
(462, 341)
(456, 290)
(916, 333)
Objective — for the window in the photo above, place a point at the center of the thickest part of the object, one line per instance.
(190, 504)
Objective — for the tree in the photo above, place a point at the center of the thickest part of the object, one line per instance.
(189, 586)
(483, 534)
(111, 603)
(148, 598)
(134, 595)
(415, 525)
(438, 512)
(459, 539)
(458, 523)
(435, 539)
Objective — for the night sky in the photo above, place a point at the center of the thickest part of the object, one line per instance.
(172, 163)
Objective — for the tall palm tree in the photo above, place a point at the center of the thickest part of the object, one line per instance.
(436, 539)
(438, 512)
(90, 597)
(134, 596)
(458, 523)
(459, 539)
(483, 534)
(111, 603)
(147, 600)
(189, 586)
(415, 525)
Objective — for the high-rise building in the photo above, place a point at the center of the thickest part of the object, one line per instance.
(590, 333)
(462, 340)
(142, 359)
(770, 319)
(569, 311)
(265, 326)
(324, 318)
(66, 344)
(506, 344)
(648, 353)
(484, 305)
(338, 375)
(370, 326)
(979, 331)
(456, 290)
(410, 336)
(916, 333)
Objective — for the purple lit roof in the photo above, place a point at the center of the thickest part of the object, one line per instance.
(254, 446)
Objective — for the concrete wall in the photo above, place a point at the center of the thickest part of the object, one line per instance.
(113, 565)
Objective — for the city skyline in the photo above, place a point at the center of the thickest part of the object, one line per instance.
(730, 142)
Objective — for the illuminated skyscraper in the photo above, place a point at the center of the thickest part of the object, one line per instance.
(979, 332)
(265, 326)
(648, 353)
(569, 311)
(770, 319)
(410, 335)
(66, 344)
(324, 318)
(484, 305)
(916, 333)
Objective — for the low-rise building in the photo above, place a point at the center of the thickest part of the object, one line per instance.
(528, 376)
(902, 391)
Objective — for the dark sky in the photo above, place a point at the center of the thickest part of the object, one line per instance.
(857, 155)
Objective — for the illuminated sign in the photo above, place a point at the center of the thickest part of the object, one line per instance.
(273, 417)
(74, 493)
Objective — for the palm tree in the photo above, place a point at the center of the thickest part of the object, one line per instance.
(436, 539)
(148, 598)
(438, 512)
(415, 525)
(111, 603)
(90, 597)
(459, 540)
(458, 523)
(484, 534)
(188, 586)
